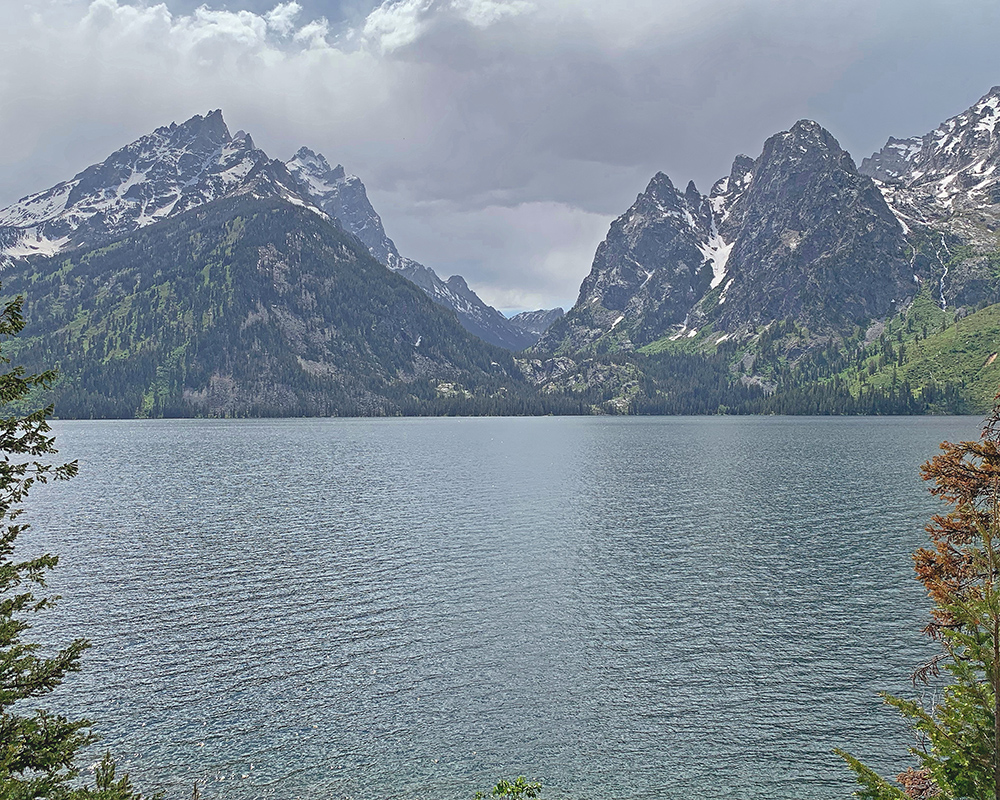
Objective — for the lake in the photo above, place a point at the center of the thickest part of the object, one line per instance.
(415, 608)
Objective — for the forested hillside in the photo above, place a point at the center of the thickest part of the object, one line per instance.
(250, 306)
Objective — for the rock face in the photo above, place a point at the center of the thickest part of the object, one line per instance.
(944, 187)
(796, 234)
(344, 198)
(816, 242)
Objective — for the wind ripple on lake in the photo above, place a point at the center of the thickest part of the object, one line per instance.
(414, 608)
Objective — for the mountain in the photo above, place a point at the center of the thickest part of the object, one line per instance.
(952, 168)
(944, 187)
(344, 197)
(170, 171)
(800, 284)
(536, 322)
(816, 241)
(654, 265)
(180, 167)
(249, 306)
(797, 233)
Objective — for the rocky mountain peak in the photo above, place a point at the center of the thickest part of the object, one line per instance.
(961, 156)
(662, 198)
(797, 233)
(803, 149)
(737, 180)
(344, 198)
(458, 284)
(726, 194)
(658, 259)
(159, 175)
(692, 195)
(311, 163)
(816, 240)
(212, 126)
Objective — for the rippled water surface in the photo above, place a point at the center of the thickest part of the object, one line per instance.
(621, 608)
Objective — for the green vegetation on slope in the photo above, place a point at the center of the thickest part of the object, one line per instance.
(964, 353)
(252, 307)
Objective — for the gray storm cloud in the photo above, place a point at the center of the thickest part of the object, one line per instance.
(498, 138)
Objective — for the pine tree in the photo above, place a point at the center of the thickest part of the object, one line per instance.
(959, 753)
(37, 747)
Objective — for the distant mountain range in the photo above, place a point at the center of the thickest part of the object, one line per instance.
(189, 273)
(180, 167)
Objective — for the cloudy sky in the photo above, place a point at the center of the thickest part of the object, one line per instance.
(497, 138)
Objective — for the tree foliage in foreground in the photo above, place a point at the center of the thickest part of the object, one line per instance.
(516, 789)
(37, 747)
(959, 736)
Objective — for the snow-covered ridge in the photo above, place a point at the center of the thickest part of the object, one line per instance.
(951, 166)
(167, 172)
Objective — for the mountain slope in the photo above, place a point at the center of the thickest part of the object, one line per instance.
(944, 187)
(246, 306)
(344, 197)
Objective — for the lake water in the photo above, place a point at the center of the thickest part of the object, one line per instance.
(415, 608)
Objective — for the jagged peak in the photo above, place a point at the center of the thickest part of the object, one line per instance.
(310, 158)
(660, 181)
(212, 125)
(805, 141)
(151, 178)
(246, 138)
(807, 132)
(985, 101)
(742, 164)
(806, 126)
(739, 175)
(660, 190)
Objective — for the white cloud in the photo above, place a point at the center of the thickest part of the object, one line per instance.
(314, 34)
(281, 18)
(483, 13)
(396, 24)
